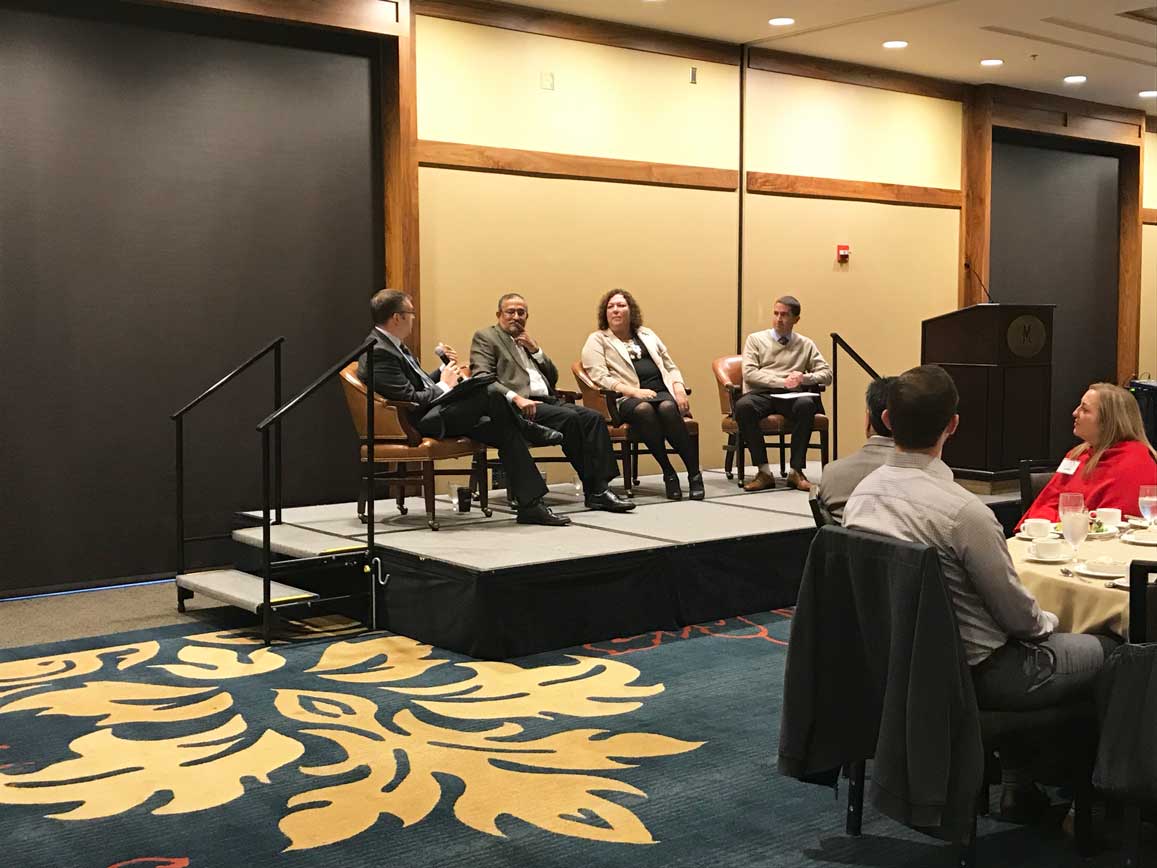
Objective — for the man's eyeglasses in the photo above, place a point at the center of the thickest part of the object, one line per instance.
(410, 312)
(515, 312)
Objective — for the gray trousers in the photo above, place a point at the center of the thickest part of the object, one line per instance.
(1022, 676)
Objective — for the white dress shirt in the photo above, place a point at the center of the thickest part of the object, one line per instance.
(539, 387)
(406, 354)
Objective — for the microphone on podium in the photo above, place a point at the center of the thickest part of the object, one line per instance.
(968, 268)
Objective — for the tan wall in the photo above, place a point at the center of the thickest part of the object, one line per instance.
(562, 244)
(1148, 355)
(482, 85)
(903, 266)
(902, 272)
(804, 126)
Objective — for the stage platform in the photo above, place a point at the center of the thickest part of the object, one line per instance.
(495, 589)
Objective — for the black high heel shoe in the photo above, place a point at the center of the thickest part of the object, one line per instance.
(695, 484)
(671, 483)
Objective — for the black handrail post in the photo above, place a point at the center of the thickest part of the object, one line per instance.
(277, 462)
(371, 488)
(1138, 599)
(180, 420)
(835, 398)
(266, 548)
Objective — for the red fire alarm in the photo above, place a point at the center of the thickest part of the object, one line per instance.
(843, 253)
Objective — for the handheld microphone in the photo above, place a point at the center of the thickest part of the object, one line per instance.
(440, 352)
(968, 268)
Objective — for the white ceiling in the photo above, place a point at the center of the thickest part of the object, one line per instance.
(1040, 41)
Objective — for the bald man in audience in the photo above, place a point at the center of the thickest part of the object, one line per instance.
(841, 477)
(779, 361)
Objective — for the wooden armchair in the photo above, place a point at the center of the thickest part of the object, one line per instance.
(728, 372)
(405, 457)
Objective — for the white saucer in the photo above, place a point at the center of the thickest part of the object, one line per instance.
(1137, 541)
(1101, 571)
(1060, 559)
(1104, 534)
(1138, 523)
(1052, 534)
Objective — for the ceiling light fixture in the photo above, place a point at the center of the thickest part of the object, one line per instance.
(1075, 79)
(781, 22)
(1148, 94)
(895, 43)
(992, 61)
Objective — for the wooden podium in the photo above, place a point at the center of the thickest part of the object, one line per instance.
(1000, 357)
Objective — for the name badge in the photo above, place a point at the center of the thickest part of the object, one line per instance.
(1068, 466)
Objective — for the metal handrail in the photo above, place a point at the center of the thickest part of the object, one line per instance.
(838, 342)
(274, 420)
(178, 418)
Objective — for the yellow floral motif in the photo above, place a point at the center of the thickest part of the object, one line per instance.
(391, 758)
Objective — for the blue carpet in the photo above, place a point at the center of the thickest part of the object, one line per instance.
(159, 749)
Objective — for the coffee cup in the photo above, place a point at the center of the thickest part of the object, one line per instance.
(1109, 517)
(1048, 547)
(1036, 527)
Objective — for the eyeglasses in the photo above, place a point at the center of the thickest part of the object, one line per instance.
(410, 312)
(515, 312)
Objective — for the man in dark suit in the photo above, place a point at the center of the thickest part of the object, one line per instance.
(483, 414)
(528, 377)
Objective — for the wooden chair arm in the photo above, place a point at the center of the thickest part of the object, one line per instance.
(611, 398)
(568, 396)
(734, 393)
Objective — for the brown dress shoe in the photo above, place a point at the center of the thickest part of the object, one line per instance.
(762, 482)
(796, 480)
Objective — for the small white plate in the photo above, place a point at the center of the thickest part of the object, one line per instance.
(1123, 582)
(1100, 571)
(1060, 559)
(1137, 541)
(1138, 523)
(1104, 534)
(1052, 534)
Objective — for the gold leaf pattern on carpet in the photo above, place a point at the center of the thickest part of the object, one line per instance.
(393, 760)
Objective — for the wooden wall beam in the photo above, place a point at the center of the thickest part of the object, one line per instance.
(1129, 265)
(863, 191)
(1063, 116)
(546, 23)
(976, 189)
(399, 113)
(1150, 124)
(511, 161)
(854, 73)
(365, 16)
(1149, 215)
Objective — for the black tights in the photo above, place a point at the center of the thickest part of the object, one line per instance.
(652, 423)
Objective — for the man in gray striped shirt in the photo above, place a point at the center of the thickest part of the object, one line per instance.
(1017, 660)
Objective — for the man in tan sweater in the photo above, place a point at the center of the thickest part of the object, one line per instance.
(778, 361)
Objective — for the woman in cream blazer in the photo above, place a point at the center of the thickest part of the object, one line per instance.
(628, 358)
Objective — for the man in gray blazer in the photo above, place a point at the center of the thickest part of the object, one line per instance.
(507, 350)
(841, 477)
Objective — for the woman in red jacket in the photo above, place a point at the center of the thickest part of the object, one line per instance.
(1113, 460)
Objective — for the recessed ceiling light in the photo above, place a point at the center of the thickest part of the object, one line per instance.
(992, 61)
(895, 43)
(1148, 94)
(781, 22)
(1075, 79)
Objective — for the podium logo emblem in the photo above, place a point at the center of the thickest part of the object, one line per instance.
(1026, 336)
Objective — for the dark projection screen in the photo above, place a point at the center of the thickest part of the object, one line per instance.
(173, 195)
(1054, 241)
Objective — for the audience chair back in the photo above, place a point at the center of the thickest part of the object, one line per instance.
(1035, 474)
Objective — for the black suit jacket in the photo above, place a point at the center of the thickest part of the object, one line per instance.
(396, 380)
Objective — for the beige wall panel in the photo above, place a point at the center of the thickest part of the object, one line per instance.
(562, 244)
(482, 86)
(1150, 184)
(824, 129)
(902, 271)
(1147, 359)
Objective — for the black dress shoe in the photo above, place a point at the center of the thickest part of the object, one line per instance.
(538, 435)
(671, 483)
(695, 484)
(608, 501)
(539, 513)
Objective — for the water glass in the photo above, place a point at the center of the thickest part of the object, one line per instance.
(1071, 501)
(1147, 502)
(1075, 527)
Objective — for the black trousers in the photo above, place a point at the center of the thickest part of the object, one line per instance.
(799, 412)
(486, 416)
(586, 443)
(654, 422)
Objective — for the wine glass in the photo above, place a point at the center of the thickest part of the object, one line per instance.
(1071, 501)
(1147, 502)
(1075, 527)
